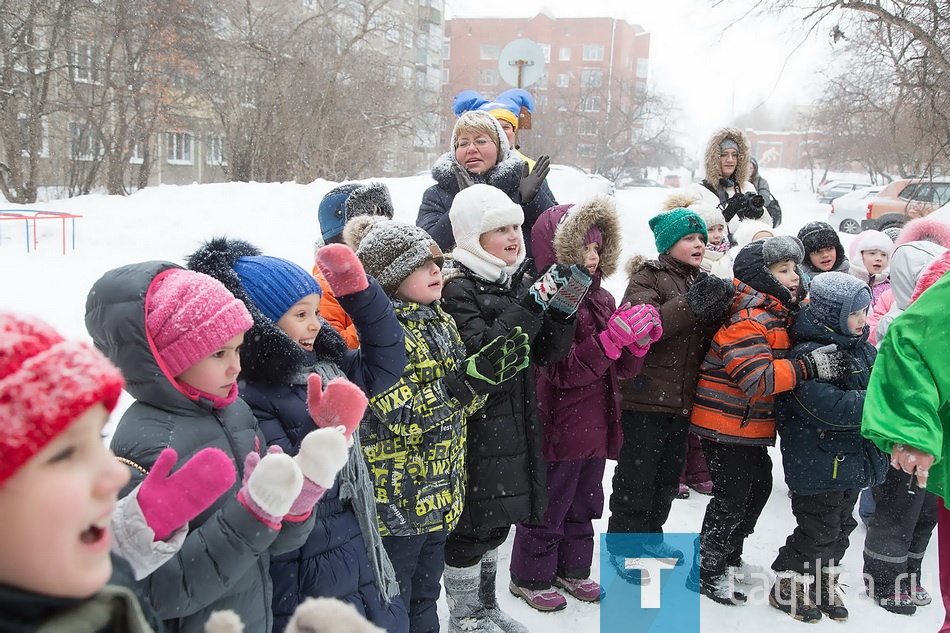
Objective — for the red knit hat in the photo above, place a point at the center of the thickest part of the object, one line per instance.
(189, 315)
(46, 382)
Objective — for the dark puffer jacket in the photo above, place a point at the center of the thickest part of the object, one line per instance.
(506, 470)
(506, 175)
(224, 561)
(819, 422)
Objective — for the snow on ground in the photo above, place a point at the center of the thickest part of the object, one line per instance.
(169, 222)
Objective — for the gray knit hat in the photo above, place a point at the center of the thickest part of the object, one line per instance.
(834, 296)
(391, 251)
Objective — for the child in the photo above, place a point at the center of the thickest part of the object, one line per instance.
(733, 411)
(488, 294)
(826, 460)
(870, 259)
(750, 231)
(656, 404)
(415, 440)
(175, 334)
(343, 556)
(338, 206)
(823, 249)
(716, 259)
(577, 406)
(58, 487)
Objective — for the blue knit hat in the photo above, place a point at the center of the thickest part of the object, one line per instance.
(834, 296)
(670, 227)
(274, 284)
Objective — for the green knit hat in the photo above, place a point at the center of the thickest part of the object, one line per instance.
(669, 227)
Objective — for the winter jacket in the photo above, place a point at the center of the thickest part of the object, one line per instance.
(908, 398)
(224, 561)
(506, 175)
(883, 306)
(745, 368)
(907, 264)
(331, 310)
(414, 441)
(134, 540)
(671, 368)
(819, 422)
(116, 608)
(577, 396)
(714, 189)
(506, 469)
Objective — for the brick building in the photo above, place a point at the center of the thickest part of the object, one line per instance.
(595, 71)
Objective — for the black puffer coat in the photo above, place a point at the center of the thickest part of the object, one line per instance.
(820, 422)
(506, 469)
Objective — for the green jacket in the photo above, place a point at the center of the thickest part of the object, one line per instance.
(908, 398)
(414, 442)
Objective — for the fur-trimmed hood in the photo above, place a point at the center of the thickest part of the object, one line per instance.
(269, 356)
(558, 234)
(711, 159)
(925, 229)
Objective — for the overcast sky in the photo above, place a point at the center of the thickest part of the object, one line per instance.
(714, 72)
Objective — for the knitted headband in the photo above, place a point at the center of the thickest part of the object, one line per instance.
(46, 383)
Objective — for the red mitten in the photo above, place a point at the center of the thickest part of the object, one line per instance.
(342, 269)
(170, 501)
(341, 405)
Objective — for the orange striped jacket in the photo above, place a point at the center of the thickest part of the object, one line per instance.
(745, 367)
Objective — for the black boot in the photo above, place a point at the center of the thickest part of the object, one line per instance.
(711, 580)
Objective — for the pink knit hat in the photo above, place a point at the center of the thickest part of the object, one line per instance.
(189, 315)
(46, 382)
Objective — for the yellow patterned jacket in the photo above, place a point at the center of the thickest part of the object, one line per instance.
(414, 442)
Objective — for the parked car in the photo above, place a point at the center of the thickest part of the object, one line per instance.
(569, 183)
(671, 180)
(627, 183)
(848, 211)
(905, 199)
(837, 189)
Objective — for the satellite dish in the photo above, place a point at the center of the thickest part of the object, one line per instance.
(521, 62)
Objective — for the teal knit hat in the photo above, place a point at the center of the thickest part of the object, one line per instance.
(670, 227)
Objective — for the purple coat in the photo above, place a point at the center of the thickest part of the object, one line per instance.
(578, 397)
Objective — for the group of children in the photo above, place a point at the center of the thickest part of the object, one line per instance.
(382, 462)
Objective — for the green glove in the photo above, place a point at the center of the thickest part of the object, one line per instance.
(498, 361)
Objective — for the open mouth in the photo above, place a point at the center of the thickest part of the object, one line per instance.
(436, 284)
(96, 532)
(306, 343)
(512, 249)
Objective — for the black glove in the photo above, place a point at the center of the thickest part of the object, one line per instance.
(709, 298)
(531, 181)
(462, 176)
(826, 363)
(745, 206)
(498, 361)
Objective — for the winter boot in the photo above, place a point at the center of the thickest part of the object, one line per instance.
(790, 594)
(488, 599)
(713, 583)
(630, 570)
(745, 573)
(827, 594)
(918, 594)
(466, 613)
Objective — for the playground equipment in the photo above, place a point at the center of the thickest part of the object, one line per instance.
(31, 217)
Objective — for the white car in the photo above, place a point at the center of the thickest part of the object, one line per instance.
(849, 210)
(575, 185)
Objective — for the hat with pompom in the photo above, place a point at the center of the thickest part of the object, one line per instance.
(46, 382)
(391, 251)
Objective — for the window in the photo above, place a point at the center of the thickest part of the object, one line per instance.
(137, 157)
(309, 4)
(488, 77)
(586, 127)
(592, 77)
(587, 150)
(445, 76)
(489, 51)
(389, 162)
(564, 54)
(180, 146)
(542, 83)
(546, 49)
(593, 53)
(83, 61)
(590, 103)
(83, 142)
(561, 104)
(642, 67)
(910, 192)
(561, 128)
(446, 51)
(392, 34)
(563, 80)
(214, 150)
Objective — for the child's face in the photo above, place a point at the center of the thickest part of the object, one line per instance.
(302, 321)
(592, 257)
(716, 233)
(824, 258)
(875, 261)
(423, 285)
(54, 536)
(476, 152)
(785, 272)
(857, 320)
(505, 243)
(217, 372)
(689, 249)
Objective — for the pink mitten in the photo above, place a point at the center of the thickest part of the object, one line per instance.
(341, 405)
(170, 501)
(321, 456)
(271, 485)
(342, 269)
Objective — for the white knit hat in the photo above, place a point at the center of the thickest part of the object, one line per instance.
(476, 210)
